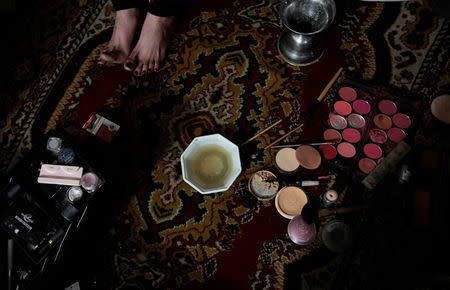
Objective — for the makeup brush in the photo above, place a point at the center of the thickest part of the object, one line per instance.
(307, 116)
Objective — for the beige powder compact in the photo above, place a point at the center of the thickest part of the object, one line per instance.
(290, 201)
(285, 161)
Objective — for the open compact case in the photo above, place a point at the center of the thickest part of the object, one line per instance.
(366, 122)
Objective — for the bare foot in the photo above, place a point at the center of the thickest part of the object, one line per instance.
(119, 46)
(151, 48)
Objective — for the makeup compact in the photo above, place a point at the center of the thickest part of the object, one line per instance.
(300, 231)
(263, 185)
(337, 236)
(366, 122)
(286, 161)
(290, 201)
(308, 157)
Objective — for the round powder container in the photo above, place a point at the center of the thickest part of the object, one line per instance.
(396, 134)
(361, 107)
(382, 121)
(74, 193)
(308, 157)
(346, 150)
(337, 122)
(401, 120)
(372, 151)
(290, 201)
(347, 94)
(440, 108)
(343, 108)
(66, 156)
(286, 161)
(328, 151)
(377, 136)
(263, 184)
(328, 198)
(351, 135)
(301, 232)
(387, 107)
(332, 135)
(366, 165)
(337, 236)
(90, 181)
(356, 121)
(54, 145)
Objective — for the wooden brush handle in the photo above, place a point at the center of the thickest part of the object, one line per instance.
(262, 132)
(330, 83)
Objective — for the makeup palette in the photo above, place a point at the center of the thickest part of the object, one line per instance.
(290, 160)
(366, 122)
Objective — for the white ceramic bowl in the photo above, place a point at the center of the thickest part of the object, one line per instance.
(198, 143)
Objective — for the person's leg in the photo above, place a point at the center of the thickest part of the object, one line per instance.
(159, 25)
(125, 26)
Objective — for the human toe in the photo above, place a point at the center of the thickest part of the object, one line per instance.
(145, 69)
(138, 71)
(130, 64)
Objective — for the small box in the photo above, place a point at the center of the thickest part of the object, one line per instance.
(101, 127)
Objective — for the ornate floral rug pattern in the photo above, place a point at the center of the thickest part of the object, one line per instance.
(223, 74)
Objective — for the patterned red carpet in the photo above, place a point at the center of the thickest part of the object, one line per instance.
(223, 74)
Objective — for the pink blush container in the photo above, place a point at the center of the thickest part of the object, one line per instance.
(397, 135)
(346, 150)
(337, 122)
(382, 121)
(328, 151)
(378, 136)
(356, 121)
(366, 165)
(351, 135)
(361, 107)
(387, 107)
(401, 120)
(347, 94)
(332, 135)
(372, 151)
(343, 108)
